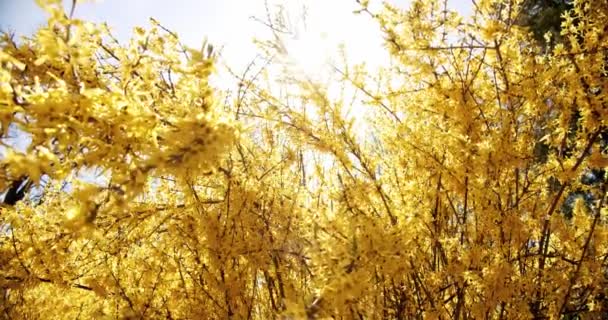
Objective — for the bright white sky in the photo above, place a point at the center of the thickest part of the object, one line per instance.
(228, 24)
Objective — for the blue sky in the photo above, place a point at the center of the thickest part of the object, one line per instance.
(225, 21)
(186, 16)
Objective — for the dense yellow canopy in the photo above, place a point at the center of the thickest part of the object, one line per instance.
(444, 200)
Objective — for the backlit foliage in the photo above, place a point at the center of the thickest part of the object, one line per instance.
(443, 200)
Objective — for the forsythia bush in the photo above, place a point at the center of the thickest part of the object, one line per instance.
(446, 200)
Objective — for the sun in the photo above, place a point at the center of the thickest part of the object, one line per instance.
(309, 52)
(318, 28)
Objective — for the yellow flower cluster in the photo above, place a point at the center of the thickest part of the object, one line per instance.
(85, 102)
